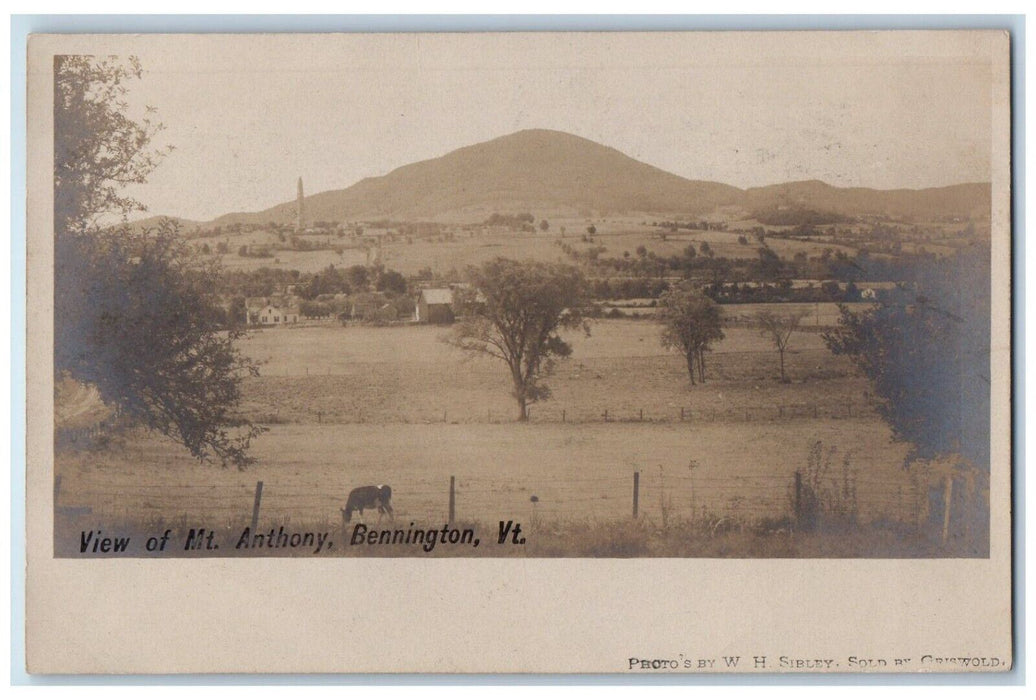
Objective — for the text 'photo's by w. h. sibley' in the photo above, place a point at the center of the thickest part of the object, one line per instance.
(396, 301)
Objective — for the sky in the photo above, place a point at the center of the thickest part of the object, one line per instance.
(248, 115)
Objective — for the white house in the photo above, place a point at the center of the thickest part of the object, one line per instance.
(271, 315)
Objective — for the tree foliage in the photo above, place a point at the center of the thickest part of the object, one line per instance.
(769, 264)
(690, 324)
(98, 147)
(135, 313)
(135, 317)
(515, 311)
(926, 353)
(392, 281)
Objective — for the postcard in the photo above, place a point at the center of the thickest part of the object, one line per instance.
(645, 353)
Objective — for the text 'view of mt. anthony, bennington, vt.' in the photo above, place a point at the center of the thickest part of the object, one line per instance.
(523, 331)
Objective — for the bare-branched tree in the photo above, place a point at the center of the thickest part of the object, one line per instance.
(779, 329)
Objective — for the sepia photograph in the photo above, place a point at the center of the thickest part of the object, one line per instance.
(654, 296)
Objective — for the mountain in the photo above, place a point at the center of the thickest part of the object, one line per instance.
(535, 170)
(552, 173)
(971, 200)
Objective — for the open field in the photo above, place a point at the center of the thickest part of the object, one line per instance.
(723, 243)
(473, 247)
(303, 261)
(353, 405)
(407, 374)
(817, 316)
(465, 250)
(576, 471)
(823, 315)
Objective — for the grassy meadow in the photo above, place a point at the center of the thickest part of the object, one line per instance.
(351, 405)
(408, 374)
(457, 247)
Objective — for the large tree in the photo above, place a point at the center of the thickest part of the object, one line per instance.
(135, 314)
(515, 311)
(690, 325)
(99, 148)
(925, 350)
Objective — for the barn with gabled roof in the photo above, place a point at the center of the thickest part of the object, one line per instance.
(435, 306)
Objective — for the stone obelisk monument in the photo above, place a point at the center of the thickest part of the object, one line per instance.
(299, 219)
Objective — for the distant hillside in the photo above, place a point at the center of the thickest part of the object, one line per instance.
(552, 173)
(970, 200)
(186, 225)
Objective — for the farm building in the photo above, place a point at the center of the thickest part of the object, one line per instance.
(435, 306)
(272, 311)
(275, 315)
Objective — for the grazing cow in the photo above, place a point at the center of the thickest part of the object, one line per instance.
(379, 497)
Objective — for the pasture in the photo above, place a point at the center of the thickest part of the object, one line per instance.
(469, 248)
(473, 247)
(723, 243)
(301, 260)
(349, 406)
(816, 316)
(358, 374)
(578, 472)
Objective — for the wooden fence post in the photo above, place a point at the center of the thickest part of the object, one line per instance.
(453, 499)
(947, 499)
(642, 414)
(681, 413)
(563, 415)
(255, 506)
(798, 497)
(636, 494)
(606, 415)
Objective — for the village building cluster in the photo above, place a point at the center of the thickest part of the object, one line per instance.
(435, 306)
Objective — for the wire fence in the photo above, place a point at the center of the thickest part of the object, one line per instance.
(540, 414)
(554, 413)
(658, 496)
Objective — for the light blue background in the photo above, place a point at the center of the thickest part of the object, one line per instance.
(23, 25)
